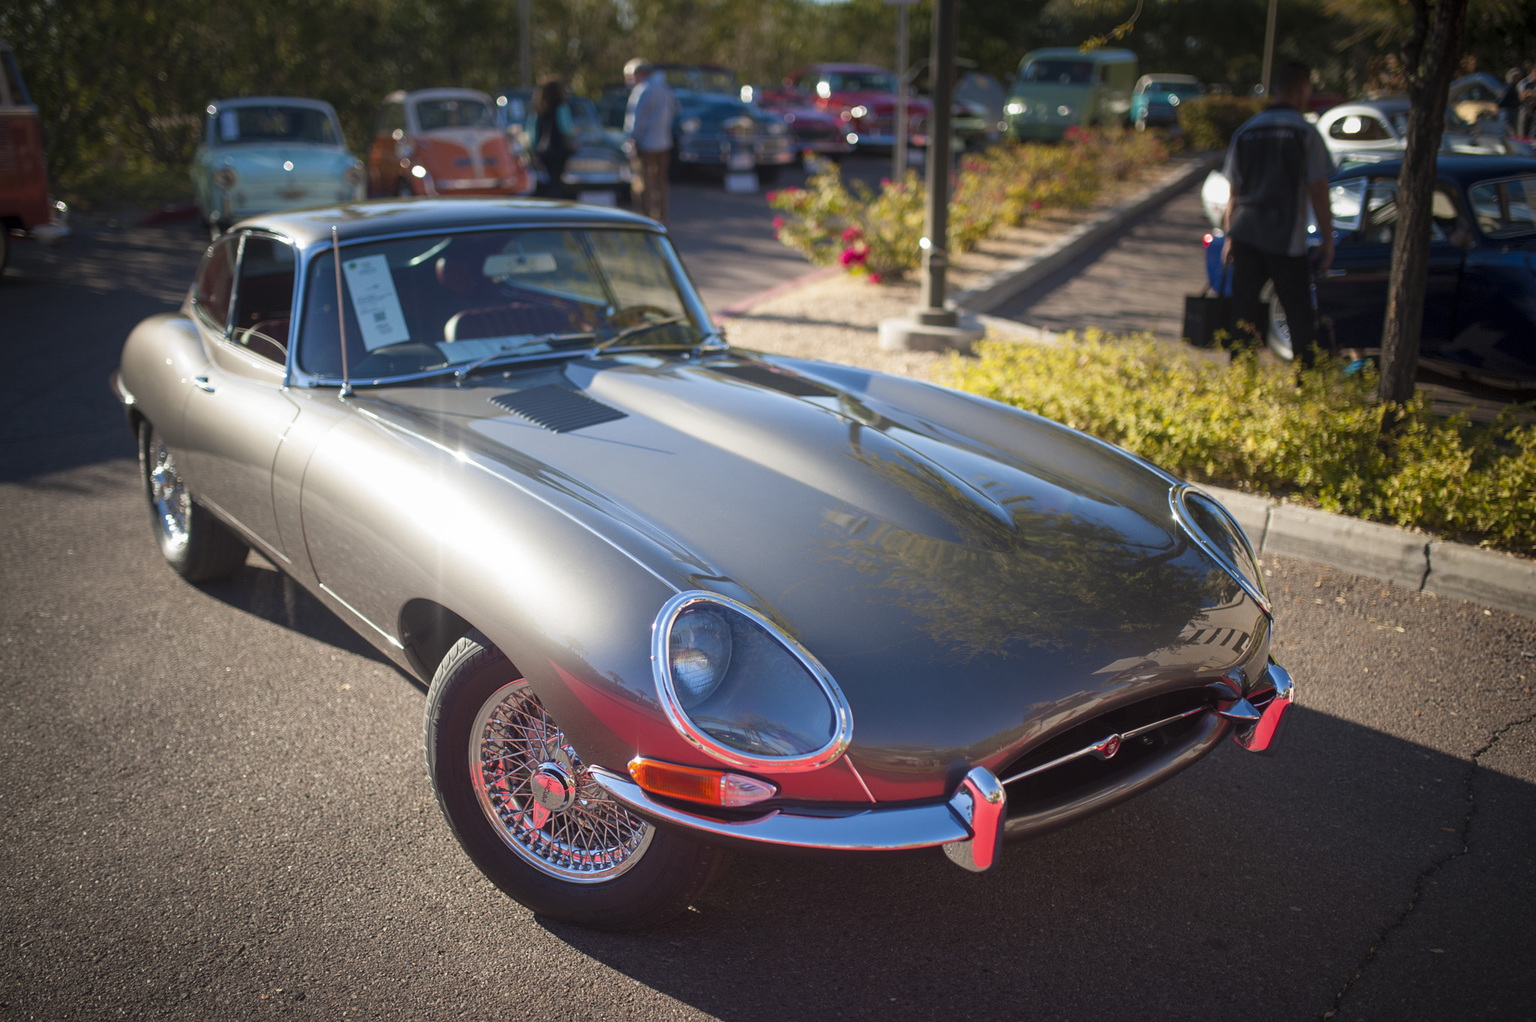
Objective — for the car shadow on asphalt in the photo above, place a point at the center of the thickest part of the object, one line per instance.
(261, 590)
(1246, 887)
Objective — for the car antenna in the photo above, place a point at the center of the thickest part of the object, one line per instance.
(341, 315)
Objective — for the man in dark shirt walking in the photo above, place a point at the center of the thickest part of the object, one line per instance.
(1277, 165)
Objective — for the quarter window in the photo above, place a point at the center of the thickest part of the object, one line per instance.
(215, 280)
(264, 297)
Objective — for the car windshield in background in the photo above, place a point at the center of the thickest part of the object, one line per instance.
(433, 114)
(450, 301)
(583, 112)
(1505, 208)
(1064, 72)
(276, 124)
(869, 81)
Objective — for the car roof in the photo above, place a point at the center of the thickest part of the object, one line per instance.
(1099, 56)
(384, 217)
(1460, 167)
(1384, 105)
(238, 101)
(1179, 79)
(847, 67)
(415, 94)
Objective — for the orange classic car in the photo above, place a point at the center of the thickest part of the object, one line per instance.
(443, 142)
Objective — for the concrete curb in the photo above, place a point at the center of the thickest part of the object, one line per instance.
(1408, 559)
(1024, 273)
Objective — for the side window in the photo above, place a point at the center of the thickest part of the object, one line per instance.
(264, 297)
(1359, 128)
(1380, 222)
(214, 282)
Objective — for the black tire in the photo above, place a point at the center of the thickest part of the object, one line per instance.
(194, 543)
(642, 876)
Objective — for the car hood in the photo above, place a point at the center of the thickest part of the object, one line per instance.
(296, 159)
(969, 575)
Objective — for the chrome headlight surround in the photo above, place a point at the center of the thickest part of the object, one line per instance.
(1199, 514)
(742, 617)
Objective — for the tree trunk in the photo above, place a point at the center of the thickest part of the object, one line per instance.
(1430, 62)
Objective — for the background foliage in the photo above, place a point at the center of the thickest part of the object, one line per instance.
(121, 82)
(1315, 437)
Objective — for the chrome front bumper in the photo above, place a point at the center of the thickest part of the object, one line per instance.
(970, 824)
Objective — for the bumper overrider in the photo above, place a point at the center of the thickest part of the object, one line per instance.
(970, 825)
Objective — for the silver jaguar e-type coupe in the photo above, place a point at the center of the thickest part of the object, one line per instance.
(674, 598)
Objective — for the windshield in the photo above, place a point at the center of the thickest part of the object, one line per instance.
(861, 81)
(275, 124)
(1063, 72)
(583, 112)
(446, 302)
(1505, 208)
(433, 114)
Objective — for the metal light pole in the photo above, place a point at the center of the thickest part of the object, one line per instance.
(899, 151)
(935, 244)
(1269, 44)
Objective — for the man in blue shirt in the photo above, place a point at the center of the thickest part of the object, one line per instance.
(1278, 165)
(648, 126)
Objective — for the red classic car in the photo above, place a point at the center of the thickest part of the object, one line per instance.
(816, 130)
(863, 98)
(443, 142)
(25, 201)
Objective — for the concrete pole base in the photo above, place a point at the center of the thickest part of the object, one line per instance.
(907, 334)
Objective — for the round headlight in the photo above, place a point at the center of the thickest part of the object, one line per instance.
(700, 652)
(1214, 529)
(225, 177)
(691, 126)
(738, 688)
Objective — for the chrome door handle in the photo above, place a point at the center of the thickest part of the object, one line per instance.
(201, 382)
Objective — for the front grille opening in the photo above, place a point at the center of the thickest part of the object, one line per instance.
(1086, 774)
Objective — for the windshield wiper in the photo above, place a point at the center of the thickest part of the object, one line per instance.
(520, 353)
(632, 331)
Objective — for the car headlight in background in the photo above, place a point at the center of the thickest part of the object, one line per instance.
(1015, 108)
(736, 687)
(353, 175)
(778, 128)
(690, 126)
(1216, 532)
(1065, 110)
(858, 111)
(225, 177)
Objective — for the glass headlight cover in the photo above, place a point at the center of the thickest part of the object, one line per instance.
(1216, 532)
(736, 687)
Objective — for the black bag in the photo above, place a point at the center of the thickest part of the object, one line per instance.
(1205, 314)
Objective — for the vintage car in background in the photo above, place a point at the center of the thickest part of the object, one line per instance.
(1062, 87)
(597, 171)
(673, 598)
(714, 130)
(263, 153)
(27, 205)
(1156, 99)
(1480, 296)
(980, 112)
(815, 130)
(444, 142)
(863, 98)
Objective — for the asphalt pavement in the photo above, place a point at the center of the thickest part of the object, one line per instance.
(215, 802)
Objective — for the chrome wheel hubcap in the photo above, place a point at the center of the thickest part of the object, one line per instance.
(542, 802)
(168, 495)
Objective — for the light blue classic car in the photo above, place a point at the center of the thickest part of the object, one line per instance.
(259, 154)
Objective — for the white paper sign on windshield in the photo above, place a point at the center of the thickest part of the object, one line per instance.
(375, 302)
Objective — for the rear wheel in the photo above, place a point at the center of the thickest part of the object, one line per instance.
(527, 812)
(195, 543)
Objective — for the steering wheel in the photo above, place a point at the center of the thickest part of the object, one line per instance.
(633, 315)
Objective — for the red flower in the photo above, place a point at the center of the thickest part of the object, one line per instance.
(1034, 205)
(771, 196)
(778, 223)
(852, 233)
(874, 278)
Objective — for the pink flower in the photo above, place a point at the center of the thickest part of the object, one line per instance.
(874, 278)
(778, 223)
(1034, 205)
(854, 255)
(852, 233)
(771, 196)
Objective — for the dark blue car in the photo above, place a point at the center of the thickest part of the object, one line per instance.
(1480, 297)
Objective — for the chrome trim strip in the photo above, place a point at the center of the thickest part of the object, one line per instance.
(1095, 749)
(842, 713)
(1176, 497)
(867, 830)
(357, 614)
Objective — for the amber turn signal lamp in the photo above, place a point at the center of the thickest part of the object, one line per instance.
(695, 784)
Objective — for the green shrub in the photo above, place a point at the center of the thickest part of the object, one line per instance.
(1209, 121)
(1315, 438)
(876, 232)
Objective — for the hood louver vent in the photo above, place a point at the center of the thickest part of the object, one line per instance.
(556, 409)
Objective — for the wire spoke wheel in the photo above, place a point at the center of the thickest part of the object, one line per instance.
(539, 798)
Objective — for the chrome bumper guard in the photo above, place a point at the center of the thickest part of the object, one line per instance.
(969, 826)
